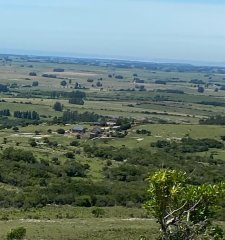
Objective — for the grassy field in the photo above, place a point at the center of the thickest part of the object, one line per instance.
(71, 223)
(77, 229)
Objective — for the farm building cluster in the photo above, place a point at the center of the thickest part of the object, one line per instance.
(110, 129)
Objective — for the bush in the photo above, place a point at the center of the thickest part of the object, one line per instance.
(32, 74)
(35, 83)
(32, 142)
(78, 101)
(74, 143)
(98, 212)
(15, 129)
(201, 89)
(69, 155)
(60, 131)
(17, 234)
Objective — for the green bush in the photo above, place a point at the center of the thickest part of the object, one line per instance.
(98, 212)
(17, 234)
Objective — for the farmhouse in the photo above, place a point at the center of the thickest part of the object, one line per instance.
(95, 132)
(78, 129)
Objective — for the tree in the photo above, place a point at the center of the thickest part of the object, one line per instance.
(3, 88)
(32, 74)
(77, 101)
(201, 89)
(77, 85)
(63, 83)
(183, 210)
(35, 83)
(32, 142)
(58, 106)
(60, 131)
(99, 84)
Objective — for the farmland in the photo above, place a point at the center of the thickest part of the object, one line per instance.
(80, 134)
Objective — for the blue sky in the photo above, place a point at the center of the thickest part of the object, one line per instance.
(192, 30)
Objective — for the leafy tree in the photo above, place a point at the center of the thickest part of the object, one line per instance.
(58, 106)
(201, 89)
(63, 83)
(99, 84)
(184, 211)
(77, 85)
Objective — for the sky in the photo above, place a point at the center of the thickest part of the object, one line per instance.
(190, 30)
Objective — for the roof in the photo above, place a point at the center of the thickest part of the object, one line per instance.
(97, 130)
(111, 123)
(78, 128)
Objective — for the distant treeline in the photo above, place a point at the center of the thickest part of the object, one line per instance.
(74, 116)
(32, 115)
(213, 120)
(5, 112)
(73, 94)
(188, 145)
(4, 88)
(216, 104)
(171, 91)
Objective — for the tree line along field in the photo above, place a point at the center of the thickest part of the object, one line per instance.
(78, 135)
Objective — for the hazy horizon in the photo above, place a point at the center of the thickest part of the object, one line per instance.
(184, 30)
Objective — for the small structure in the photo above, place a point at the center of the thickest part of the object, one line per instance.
(78, 129)
(116, 127)
(96, 124)
(111, 123)
(96, 132)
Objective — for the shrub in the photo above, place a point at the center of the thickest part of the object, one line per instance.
(60, 131)
(98, 212)
(69, 155)
(74, 143)
(17, 234)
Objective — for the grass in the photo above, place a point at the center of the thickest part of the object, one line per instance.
(77, 229)
(67, 222)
